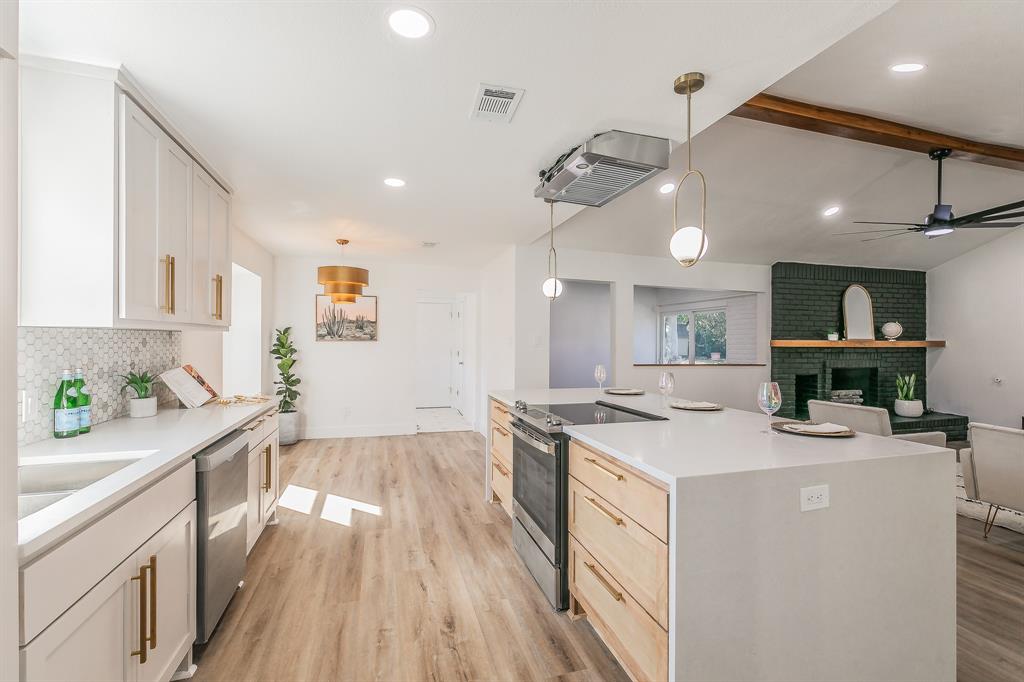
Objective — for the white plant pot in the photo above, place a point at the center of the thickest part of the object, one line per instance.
(142, 407)
(909, 408)
(288, 425)
(833, 336)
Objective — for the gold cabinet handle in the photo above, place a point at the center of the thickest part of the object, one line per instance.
(152, 601)
(605, 470)
(266, 451)
(501, 468)
(143, 609)
(616, 595)
(218, 295)
(168, 306)
(174, 285)
(255, 425)
(502, 431)
(501, 408)
(617, 520)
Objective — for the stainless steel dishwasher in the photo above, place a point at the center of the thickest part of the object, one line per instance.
(221, 475)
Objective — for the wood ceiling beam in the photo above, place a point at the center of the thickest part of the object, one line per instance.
(852, 126)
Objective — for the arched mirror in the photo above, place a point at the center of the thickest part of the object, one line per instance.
(858, 314)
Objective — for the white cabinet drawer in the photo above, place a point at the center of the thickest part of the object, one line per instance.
(261, 428)
(55, 581)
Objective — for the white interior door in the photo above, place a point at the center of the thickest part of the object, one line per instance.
(435, 341)
(459, 358)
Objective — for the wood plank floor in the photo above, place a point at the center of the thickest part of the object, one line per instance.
(430, 589)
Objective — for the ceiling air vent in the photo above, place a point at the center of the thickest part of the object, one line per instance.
(496, 103)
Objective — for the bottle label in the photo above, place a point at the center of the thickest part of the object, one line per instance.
(85, 416)
(65, 420)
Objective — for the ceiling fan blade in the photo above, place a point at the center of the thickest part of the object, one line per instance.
(974, 217)
(898, 234)
(875, 222)
(1018, 214)
(890, 229)
(976, 225)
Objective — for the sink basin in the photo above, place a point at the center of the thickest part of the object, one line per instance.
(30, 503)
(66, 476)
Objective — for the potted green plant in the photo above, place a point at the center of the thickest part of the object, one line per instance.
(143, 403)
(284, 351)
(831, 333)
(906, 406)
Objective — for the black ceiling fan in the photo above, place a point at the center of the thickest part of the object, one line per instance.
(941, 220)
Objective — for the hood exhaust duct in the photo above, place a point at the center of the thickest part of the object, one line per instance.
(603, 167)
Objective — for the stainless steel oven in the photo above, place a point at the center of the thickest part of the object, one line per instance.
(539, 492)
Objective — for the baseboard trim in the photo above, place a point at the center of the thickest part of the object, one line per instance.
(360, 430)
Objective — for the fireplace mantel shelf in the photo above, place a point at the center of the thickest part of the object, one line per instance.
(854, 343)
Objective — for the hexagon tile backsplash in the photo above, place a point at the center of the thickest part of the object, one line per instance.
(104, 354)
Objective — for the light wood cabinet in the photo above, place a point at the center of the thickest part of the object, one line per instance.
(147, 603)
(501, 483)
(500, 438)
(263, 486)
(501, 441)
(124, 223)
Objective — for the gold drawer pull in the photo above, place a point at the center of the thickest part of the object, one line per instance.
(501, 468)
(152, 601)
(616, 595)
(502, 431)
(142, 651)
(600, 508)
(604, 470)
(255, 425)
(501, 408)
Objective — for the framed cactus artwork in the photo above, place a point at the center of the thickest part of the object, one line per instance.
(346, 321)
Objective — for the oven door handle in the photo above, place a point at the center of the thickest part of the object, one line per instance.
(533, 441)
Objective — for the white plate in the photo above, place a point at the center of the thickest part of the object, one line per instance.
(624, 391)
(695, 406)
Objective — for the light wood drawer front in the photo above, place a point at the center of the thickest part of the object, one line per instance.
(634, 557)
(501, 441)
(501, 483)
(500, 414)
(636, 639)
(639, 498)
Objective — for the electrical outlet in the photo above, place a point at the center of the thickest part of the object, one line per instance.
(814, 497)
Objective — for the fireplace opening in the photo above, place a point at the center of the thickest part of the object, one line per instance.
(806, 389)
(856, 385)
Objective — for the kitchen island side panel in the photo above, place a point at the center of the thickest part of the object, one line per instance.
(865, 589)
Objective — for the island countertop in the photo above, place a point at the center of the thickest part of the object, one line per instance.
(159, 444)
(692, 444)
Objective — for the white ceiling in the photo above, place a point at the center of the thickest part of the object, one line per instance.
(306, 106)
(769, 184)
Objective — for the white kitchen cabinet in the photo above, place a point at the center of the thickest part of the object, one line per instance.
(103, 635)
(211, 250)
(269, 488)
(122, 231)
(263, 486)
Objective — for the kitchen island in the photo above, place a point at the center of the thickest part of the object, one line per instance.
(757, 589)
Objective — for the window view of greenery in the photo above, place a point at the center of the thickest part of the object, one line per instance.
(708, 337)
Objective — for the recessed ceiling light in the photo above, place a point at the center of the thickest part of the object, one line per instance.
(394, 182)
(409, 22)
(908, 67)
(831, 211)
(667, 187)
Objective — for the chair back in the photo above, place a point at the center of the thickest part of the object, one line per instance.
(860, 418)
(998, 461)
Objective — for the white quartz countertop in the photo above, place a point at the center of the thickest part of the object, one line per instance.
(707, 443)
(159, 445)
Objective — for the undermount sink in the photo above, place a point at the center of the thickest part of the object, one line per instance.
(42, 484)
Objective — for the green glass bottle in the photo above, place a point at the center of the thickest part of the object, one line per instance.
(84, 402)
(65, 408)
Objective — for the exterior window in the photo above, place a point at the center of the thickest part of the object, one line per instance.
(693, 337)
(709, 348)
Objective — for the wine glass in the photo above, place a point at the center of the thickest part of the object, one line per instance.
(666, 384)
(600, 374)
(769, 399)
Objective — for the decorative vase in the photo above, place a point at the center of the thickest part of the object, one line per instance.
(142, 407)
(909, 408)
(289, 427)
(833, 336)
(892, 330)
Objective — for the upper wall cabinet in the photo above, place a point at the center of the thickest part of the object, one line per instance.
(123, 224)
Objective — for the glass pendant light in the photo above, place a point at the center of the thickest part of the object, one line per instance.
(552, 286)
(689, 244)
(342, 283)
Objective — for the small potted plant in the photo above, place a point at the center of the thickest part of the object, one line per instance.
(832, 334)
(284, 350)
(143, 404)
(906, 406)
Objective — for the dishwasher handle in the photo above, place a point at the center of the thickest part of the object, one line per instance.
(223, 451)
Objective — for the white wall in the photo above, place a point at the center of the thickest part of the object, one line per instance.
(205, 350)
(243, 343)
(733, 386)
(497, 347)
(364, 388)
(976, 303)
(645, 325)
(581, 334)
(8, 321)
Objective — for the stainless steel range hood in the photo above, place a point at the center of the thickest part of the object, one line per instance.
(603, 167)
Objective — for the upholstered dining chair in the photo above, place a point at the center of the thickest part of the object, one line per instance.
(994, 468)
(866, 419)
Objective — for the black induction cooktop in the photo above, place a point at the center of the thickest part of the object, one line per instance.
(597, 413)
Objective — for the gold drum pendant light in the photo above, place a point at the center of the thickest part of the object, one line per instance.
(689, 244)
(552, 286)
(342, 282)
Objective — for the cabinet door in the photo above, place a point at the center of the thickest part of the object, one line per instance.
(175, 228)
(170, 630)
(203, 289)
(94, 639)
(271, 480)
(254, 498)
(143, 275)
(220, 251)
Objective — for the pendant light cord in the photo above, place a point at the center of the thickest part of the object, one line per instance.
(552, 254)
(689, 141)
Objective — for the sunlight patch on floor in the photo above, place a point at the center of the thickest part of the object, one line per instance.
(297, 498)
(339, 509)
